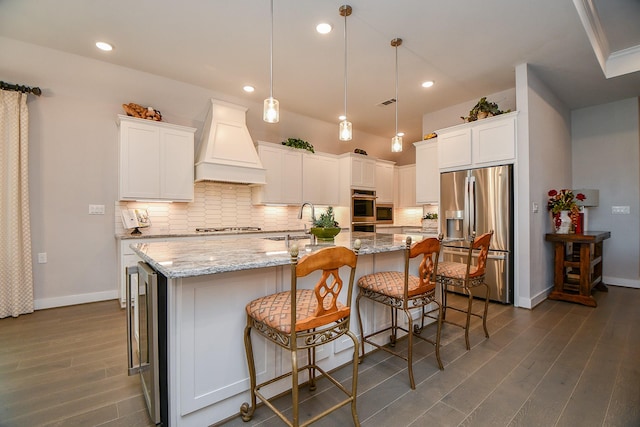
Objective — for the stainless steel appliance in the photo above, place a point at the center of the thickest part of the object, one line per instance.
(147, 339)
(384, 213)
(363, 210)
(481, 200)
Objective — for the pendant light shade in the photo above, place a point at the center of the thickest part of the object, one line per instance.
(346, 130)
(396, 141)
(271, 111)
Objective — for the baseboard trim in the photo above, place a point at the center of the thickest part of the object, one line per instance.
(617, 281)
(537, 299)
(40, 304)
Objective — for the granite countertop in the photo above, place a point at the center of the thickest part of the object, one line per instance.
(156, 234)
(197, 257)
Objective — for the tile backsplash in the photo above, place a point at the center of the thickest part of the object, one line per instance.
(219, 204)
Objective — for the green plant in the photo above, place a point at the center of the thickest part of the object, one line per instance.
(430, 215)
(483, 106)
(298, 143)
(326, 220)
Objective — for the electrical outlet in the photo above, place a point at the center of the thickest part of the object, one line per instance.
(534, 207)
(96, 209)
(620, 210)
(42, 258)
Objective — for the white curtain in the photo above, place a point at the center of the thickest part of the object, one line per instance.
(16, 279)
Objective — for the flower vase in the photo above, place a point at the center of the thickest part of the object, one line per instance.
(562, 222)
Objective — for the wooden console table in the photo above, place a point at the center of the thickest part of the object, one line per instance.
(578, 266)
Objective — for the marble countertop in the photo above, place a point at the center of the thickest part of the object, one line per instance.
(198, 257)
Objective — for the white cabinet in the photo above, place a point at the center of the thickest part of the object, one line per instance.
(385, 183)
(407, 186)
(427, 172)
(156, 160)
(320, 179)
(283, 167)
(481, 143)
(360, 169)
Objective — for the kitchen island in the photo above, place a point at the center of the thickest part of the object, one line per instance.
(206, 285)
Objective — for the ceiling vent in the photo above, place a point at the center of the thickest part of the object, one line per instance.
(387, 102)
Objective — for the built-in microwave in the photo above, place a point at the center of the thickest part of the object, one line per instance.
(363, 206)
(384, 213)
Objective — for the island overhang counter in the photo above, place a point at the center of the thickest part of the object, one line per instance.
(204, 286)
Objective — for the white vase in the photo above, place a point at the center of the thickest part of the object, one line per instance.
(562, 222)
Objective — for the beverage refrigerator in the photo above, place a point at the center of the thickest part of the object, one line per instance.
(480, 200)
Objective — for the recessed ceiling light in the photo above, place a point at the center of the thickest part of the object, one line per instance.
(248, 88)
(323, 28)
(104, 46)
(428, 83)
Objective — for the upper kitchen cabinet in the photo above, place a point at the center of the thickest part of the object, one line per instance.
(427, 172)
(407, 186)
(360, 169)
(385, 183)
(283, 167)
(320, 179)
(156, 160)
(480, 143)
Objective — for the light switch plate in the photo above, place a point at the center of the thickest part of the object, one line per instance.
(42, 258)
(96, 209)
(620, 210)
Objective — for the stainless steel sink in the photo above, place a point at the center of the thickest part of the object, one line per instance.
(295, 237)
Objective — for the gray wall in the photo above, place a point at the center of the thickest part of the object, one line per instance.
(606, 157)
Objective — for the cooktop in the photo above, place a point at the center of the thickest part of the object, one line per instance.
(213, 229)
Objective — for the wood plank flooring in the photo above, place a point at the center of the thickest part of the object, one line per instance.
(561, 364)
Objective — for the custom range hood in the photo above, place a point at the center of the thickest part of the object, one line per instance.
(226, 152)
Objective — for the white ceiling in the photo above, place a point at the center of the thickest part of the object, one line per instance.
(469, 48)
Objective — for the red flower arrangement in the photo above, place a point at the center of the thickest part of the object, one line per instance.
(564, 200)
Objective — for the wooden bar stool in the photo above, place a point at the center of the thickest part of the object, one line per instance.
(467, 276)
(402, 291)
(302, 319)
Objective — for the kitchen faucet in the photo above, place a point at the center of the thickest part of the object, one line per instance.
(313, 219)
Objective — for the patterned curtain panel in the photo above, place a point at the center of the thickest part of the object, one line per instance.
(16, 280)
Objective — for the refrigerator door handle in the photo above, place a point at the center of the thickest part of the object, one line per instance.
(472, 203)
(466, 226)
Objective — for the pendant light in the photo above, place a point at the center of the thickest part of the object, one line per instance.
(346, 130)
(271, 111)
(396, 141)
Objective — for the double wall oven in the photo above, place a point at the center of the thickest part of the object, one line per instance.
(363, 210)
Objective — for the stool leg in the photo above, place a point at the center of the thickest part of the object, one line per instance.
(466, 328)
(394, 327)
(438, 331)
(354, 381)
(486, 310)
(360, 326)
(311, 355)
(294, 386)
(410, 347)
(247, 411)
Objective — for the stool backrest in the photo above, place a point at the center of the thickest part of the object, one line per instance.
(430, 250)
(480, 243)
(327, 289)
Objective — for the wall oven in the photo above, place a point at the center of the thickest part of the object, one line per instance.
(363, 210)
(363, 206)
(384, 213)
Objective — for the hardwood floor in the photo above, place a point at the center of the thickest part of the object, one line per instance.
(561, 364)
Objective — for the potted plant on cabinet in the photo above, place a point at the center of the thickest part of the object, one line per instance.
(325, 227)
(483, 109)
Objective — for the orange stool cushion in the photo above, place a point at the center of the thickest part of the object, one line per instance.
(275, 310)
(389, 283)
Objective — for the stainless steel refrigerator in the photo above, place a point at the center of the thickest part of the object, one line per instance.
(481, 200)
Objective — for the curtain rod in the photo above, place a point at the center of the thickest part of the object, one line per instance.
(20, 88)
